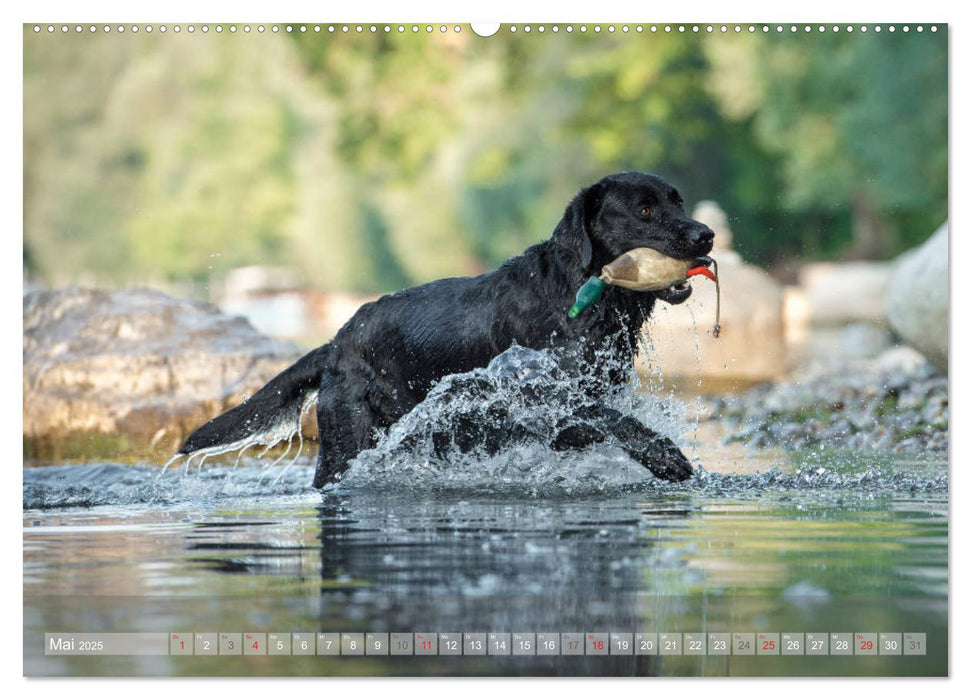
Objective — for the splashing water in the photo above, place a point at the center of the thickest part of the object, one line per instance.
(516, 402)
(521, 395)
(285, 430)
(566, 477)
(86, 486)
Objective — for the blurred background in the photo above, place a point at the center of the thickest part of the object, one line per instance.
(289, 177)
(366, 163)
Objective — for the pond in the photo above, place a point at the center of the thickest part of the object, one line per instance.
(762, 542)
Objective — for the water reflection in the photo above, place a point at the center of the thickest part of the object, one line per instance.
(494, 566)
(772, 556)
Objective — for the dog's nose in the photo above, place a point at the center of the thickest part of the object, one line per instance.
(701, 236)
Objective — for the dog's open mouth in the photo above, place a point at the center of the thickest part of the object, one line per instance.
(676, 293)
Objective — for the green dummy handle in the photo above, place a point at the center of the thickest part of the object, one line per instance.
(587, 295)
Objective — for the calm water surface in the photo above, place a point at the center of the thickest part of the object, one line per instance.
(762, 543)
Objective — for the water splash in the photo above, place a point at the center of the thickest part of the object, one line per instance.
(522, 394)
(566, 477)
(494, 425)
(284, 429)
(86, 486)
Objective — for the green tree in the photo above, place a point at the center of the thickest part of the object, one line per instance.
(373, 161)
(860, 122)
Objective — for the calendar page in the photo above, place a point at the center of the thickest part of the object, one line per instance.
(516, 349)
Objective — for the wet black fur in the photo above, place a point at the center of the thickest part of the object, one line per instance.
(384, 360)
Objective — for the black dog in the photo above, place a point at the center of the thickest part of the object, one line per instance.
(383, 362)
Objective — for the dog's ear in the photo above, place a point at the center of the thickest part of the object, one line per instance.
(575, 230)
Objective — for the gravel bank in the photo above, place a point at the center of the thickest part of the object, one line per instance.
(897, 402)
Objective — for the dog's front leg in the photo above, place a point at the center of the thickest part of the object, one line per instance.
(593, 424)
(658, 453)
(576, 436)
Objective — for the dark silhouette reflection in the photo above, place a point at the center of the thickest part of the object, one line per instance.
(407, 565)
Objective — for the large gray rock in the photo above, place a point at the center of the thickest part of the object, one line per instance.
(846, 292)
(116, 374)
(918, 298)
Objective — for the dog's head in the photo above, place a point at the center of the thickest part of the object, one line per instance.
(632, 210)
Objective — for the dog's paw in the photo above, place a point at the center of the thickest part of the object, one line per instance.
(664, 460)
(675, 467)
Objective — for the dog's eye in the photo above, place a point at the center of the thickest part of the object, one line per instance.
(645, 212)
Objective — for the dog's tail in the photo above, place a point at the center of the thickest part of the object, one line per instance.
(269, 416)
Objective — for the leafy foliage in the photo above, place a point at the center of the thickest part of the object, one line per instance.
(375, 161)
